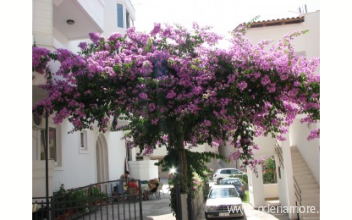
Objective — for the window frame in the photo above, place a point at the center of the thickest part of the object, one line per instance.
(85, 149)
(57, 145)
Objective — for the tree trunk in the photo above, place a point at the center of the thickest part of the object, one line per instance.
(182, 155)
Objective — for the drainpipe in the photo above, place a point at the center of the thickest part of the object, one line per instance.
(46, 163)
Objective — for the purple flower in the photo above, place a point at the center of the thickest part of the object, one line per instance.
(142, 95)
(151, 107)
(83, 45)
(207, 123)
(314, 134)
(114, 36)
(94, 37)
(156, 29)
(155, 121)
(265, 80)
(242, 85)
(171, 95)
(215, 144)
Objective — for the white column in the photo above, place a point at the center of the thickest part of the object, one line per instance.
(290, 195)
(256, 187)
(43, 22)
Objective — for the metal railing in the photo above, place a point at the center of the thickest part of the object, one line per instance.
(298, 194)
(105, 200)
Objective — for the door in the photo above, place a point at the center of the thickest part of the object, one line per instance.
(102, 159)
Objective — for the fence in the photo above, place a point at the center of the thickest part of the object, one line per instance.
(105, 200)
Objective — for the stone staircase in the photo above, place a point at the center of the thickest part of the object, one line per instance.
(307, 190)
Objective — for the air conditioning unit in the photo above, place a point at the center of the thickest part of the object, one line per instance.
(37, 122)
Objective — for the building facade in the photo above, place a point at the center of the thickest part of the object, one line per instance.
(297, 159)
(86, 157)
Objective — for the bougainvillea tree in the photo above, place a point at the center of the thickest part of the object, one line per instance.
(179, 90)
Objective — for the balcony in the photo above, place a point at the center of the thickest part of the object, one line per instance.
(88, 16)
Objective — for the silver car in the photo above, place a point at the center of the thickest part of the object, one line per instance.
(226, 173)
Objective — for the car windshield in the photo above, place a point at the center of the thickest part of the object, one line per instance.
(223, 193)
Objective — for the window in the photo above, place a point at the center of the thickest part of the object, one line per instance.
(54, 152)
(83, 144)
(119, 15)
(235, 172)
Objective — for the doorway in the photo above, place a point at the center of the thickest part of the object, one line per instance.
(102, 159)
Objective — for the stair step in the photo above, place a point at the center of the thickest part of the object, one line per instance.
(301, 172)
(304, 176)
(299, 165)
(310, 191)
(311, 218)
(310, 196)
(296, 155)
(297, 160)
(312, 200)
(309, 186)
(306, 180)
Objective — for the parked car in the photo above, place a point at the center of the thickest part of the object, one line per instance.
(226, 173)
(237, 183)
(223, 202)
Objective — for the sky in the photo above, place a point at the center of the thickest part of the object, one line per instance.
(222, 15)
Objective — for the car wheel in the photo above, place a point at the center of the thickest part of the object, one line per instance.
(218, 181)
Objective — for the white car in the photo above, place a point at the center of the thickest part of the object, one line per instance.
(226, 173)
(223, 202)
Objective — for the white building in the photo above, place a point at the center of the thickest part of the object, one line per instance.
(89, 156)
(297, 159)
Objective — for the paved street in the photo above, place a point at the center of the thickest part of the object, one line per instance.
(160, 210)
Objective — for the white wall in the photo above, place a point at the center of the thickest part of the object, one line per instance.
(271, 190)
(38, 177)
(117, 154)
(78, 169)
(95, 9)
(266, 146)
(310, 150)
(111, 16)
(144, 169)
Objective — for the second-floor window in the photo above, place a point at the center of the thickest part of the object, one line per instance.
(119, 15)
